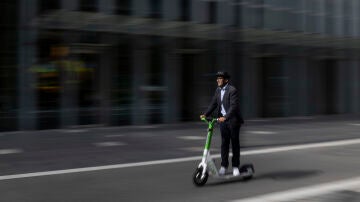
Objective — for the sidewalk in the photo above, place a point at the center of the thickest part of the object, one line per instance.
(199, 124)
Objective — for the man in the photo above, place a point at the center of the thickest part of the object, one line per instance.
(226, 105)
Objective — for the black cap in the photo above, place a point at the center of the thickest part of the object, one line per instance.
(225, 75)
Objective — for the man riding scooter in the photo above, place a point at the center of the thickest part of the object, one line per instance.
(225, 104)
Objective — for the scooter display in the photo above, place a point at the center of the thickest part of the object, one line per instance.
(207, 165)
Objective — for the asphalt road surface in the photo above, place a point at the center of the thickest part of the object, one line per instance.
(299, 159)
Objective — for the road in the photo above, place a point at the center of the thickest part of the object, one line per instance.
(293, 160)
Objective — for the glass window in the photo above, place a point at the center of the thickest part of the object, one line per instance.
(156, 7)
(88, 73)
(185, 10)
(48, 5)
(237, 13)
(123, 7)
(310, 12)
(212, 11)
(329, 17)
(89, 5)
(8, 65)
(294, 19)
(47, 80)
(256, 9)
(121, 88)
(347, 18)
(156, 80)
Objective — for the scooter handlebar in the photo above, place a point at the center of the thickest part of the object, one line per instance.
(208, 119)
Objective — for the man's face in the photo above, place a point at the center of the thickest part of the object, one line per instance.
(221, 81)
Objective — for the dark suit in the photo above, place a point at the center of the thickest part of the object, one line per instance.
(231, 127)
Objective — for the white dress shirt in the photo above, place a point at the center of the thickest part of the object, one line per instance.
(223, 89)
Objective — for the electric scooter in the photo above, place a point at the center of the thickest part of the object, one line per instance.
(207, 165)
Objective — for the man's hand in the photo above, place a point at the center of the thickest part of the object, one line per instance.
(221, 119)
(202, 116)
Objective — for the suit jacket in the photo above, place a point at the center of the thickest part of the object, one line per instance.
(231, 105)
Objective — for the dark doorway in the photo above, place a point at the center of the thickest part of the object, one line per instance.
(271, 92)
(188, 65)
(328, 70)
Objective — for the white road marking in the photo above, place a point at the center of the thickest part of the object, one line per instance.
(110, 136)
(75, 131)
(148, 126)
(304, 146)
(305, 192)
(178, 160)
(10, 151)
(192, 137)
(301, 117)
(354, 124)
(109, 144)
(258, 120)
(262, 132)
(97, 168)
(198, 149)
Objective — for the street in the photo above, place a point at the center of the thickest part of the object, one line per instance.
(295, 160)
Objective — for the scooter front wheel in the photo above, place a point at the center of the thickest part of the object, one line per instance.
(198, 178)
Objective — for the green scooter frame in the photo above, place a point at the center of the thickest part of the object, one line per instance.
(207, 166)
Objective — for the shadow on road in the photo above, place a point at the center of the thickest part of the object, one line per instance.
(279, 175)
(288, 174)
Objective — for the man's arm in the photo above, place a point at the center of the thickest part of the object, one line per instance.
(213, 104)
(234, 103)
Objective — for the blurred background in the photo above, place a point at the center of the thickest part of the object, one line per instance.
(133, 62)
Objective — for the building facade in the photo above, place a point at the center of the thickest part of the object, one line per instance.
(133, 62)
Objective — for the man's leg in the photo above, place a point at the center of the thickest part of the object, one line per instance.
(225, 144)
(235, 145)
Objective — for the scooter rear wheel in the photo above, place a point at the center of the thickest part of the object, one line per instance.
(248, 168)
(198, 179)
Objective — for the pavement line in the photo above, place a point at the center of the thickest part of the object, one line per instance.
(109, 144)
(192, 137)
(10, 151)
(305, 192)
(177, 160)
(110, 136)
(262, 132)
(75, 131)
(304, 146)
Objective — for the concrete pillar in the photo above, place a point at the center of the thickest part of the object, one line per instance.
(225, 10)
(295, 83)
(272, 15)
(27, 45)
(355, 63)
(302, 87)
(356, 18)
(172, 95)
(355, 90)
(304, 15)
(171, 9)
(251, 87)
(339, 18)
(199, 11)
(297, 86)
(69, 110)
(107, 6)
(289, 86)
(342, 83)
(140, 64)
(321, 22)
(107, 62)
(70, 5)
(141, 8)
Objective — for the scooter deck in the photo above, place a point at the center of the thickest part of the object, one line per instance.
(229, 175)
